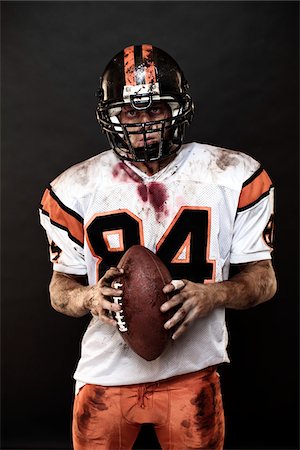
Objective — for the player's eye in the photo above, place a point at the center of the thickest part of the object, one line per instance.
(131, 113)
(155, 110)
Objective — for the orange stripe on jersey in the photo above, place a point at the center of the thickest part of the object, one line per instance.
(129, 66)
(62, 216)
(254, 189)
(147, 54)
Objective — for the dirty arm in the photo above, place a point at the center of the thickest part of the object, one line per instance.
(70, 295)
(254, 284)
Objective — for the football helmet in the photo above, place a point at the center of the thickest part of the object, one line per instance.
(140, 76)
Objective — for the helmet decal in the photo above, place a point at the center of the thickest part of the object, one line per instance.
(150, 74)
(140, 75)
(139, 66)
(129, 66)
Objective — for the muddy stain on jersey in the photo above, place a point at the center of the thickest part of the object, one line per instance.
(226, 159)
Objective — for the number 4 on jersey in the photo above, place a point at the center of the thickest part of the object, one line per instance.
(184, 247)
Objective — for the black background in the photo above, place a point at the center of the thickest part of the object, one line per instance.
(241, 60)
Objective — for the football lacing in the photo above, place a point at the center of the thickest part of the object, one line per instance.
(118, 315)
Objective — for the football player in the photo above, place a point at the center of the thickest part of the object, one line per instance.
(202, 209)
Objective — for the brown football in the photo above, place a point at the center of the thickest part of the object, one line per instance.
(140, 322)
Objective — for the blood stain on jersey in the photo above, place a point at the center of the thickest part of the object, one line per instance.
(158, 196)
(154, 192)
(124, 172)
(143, 192)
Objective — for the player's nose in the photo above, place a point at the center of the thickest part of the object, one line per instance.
(144, 117)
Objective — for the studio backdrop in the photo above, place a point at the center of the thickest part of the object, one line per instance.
(241, 62)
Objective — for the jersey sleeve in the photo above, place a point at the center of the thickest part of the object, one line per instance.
(64, 230)
(253, 226)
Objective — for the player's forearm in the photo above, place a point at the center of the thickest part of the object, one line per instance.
(256, 283)
(68, 294)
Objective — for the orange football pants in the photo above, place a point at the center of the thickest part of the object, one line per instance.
(186, 411)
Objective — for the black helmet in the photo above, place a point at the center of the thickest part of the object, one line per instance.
(138, 76)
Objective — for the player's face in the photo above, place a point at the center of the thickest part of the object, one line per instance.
(157, 111)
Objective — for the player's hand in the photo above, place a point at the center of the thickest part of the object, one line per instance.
(100, 303)
(196, 300)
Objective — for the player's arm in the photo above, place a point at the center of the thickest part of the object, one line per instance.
(70, 295)
(255, 283)
(69, 292)
(252, 283)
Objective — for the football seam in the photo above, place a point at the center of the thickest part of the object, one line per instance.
(158, 268)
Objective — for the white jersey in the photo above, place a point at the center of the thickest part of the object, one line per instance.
(207, 209)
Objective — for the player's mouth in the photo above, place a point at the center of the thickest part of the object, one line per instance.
(149, 141)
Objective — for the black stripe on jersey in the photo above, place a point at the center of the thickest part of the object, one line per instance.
(138, 59)
(253, 176)
(64, 207)
(265, 194)
(58, 225)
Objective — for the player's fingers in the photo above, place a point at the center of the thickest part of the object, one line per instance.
(107, 319)
(100, 306)
(173, 286)
(110, 306)
(111, 292)
(178, 317)
(178, 284)
(174, 301)
(109, 276)
(184, 326)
